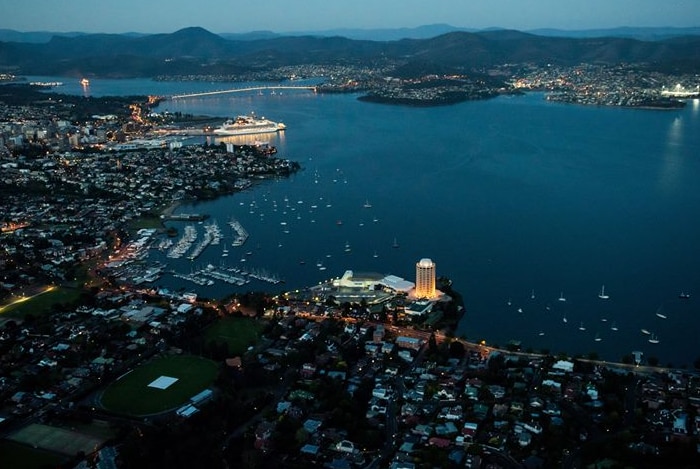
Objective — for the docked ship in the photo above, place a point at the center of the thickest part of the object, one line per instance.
(247, 125)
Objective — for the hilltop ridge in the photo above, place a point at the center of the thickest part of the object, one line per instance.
(194, 50)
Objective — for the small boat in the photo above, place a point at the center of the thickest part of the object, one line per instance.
(508, 302)
(347, 247)
(645, 332)
(662, 316)
(520, 310)
(613, 327)
(564, 319)
(597, 338)
(653, 339)
(684, 296)
(561, 297)
(602, 294)
(581, 327)
(367, 204)
(532, 295)
(339, 222)
(395, 244)
(541, 333)
(375, 255)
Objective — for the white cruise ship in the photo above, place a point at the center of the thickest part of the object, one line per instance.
(247, 125)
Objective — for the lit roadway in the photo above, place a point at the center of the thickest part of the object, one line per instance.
(24, 298)
(239, 90)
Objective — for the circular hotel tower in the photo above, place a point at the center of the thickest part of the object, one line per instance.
(425, 278)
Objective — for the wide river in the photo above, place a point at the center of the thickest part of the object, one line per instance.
(519, 201)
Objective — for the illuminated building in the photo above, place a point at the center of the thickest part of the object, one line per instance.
(425, 278)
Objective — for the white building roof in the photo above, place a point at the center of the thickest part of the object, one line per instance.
(397, 283)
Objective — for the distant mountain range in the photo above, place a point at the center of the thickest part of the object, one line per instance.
(392, 34)
(198, 51)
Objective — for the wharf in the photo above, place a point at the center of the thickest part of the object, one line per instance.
(186, 217)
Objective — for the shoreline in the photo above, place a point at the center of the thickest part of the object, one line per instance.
(168, 210)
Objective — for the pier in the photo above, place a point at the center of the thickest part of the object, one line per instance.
(231, 275)
(185, 217)
(241, 233)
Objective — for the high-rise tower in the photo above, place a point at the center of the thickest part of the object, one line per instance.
(425, 278)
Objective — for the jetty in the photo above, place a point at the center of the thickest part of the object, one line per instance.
(241, 233)
(185, 217)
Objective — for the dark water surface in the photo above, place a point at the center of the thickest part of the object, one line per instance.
(507, 196)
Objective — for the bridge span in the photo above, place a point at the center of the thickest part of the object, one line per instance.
(240, 90)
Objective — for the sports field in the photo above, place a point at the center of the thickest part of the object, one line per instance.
(18, 455)
(132, 395)
(237, 333)
(59, 440)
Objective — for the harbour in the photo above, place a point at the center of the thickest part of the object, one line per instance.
(517, 193)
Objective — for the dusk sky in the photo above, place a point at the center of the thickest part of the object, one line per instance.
(238, 16)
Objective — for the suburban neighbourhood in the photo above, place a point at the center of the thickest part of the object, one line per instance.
(99, 369)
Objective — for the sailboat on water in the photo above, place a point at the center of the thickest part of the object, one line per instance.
(653, 339)
(561, 296)
(602, 294)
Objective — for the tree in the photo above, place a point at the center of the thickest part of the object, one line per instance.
(301, 436)
(432, 344)
(456, 349)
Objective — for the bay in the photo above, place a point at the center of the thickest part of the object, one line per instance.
(506, 196)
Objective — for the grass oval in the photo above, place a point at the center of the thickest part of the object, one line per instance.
(131, 394)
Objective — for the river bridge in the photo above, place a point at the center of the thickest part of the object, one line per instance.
(241, 90)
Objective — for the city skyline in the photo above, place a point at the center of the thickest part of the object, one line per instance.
(220, 16)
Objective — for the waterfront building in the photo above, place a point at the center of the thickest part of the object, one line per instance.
(425, 278)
